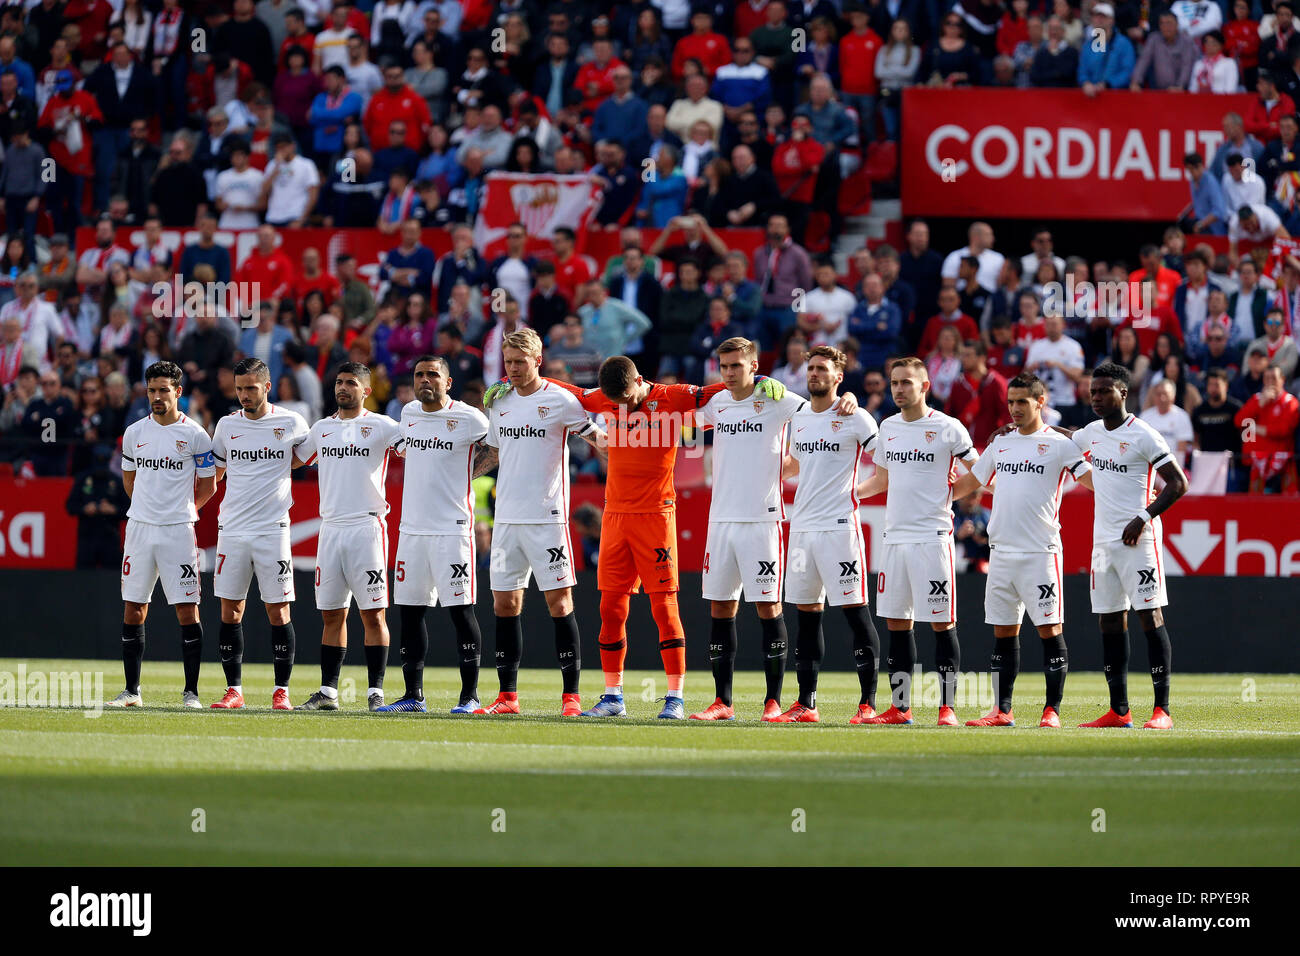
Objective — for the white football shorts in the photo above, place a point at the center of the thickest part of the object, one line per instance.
(167, 551)
(352, 561)
(917, 582)
(435, 568)
(521, 550)
(746, 556)
(240, 556)
(827, 566)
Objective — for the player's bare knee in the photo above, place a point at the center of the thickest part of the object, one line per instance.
(898, 624)
(940, 626)
(1113, 623)
(769, 610)
(507, 603)
(232, 612)
(1152, 619)
(187, 613)
(133, 613)
(1050, 631)
(375, 621)
(560, 602)
(817, 608)
(277, 614)
(721, 610)
(1005, 630)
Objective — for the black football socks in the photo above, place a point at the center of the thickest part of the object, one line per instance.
(510, 649)
(947, 658)
(809, 648)
(376, 665)
(1056, 664)
(284, 645)
(192, 654)
(1114, 654)
(775, 648)
(230, 644)
(568, 651)
(414, 647)
(132, 655)
(469, 645)
(866, 652)
(1005, 665)
(722, 656)
(1160, 654)
(331, 662)
(902, 661)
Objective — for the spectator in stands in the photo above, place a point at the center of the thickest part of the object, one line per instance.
(949, 313)
(330, 112)
(554, 80)
(571, 269)
(1219, 353)
(1277, 344)
(638, 290)
(702, 44)
(695, 106)
(1056, 63)
(461, 264)
(1251, 379)
(781, 266)
(656, 135)
(1127, 354)
(743, 85)
(683, 309)
(1235, 140)
(415, 336)
(610, 325)
(1192, 299)
(663, 197)
(1173, 369)
(1167, 58)
(547, 305)
(1257, 223)
(1107, 60)
(951, 59)
(1249, 303)
(582, 359)
(1274, 54)
(466, 365)
(409, 266)
(823, 52)
(943, 362)
(1214, 425)
(1205, 213)
(266, 341)
(1214, 72)
(792, 370)
(1241, 185)
(1005, 355)
(1058, 360)
(291, 185)
(1265, 114)
(896, 67)
(1172, 422)
(719, 327)
(979, 395)
(876, 324)
(363, 76)
(1269, 446)
(205, 348)
(124, 91)
(826, 307)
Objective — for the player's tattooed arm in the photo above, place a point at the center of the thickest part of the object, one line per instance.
(1175, 487)
(789, 466)
(874, 485)
(485, 458)
(204, 489)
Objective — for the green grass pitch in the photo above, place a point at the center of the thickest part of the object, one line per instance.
(359, 788)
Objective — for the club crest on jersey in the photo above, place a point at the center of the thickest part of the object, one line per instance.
(652, 405)
(542, 410)
(835, 425)
(451, 424)
(1123, 448)
(365, 431)
(279, 433)
(1042, 449)
(758, 407)
(930, 437)
(181, 445)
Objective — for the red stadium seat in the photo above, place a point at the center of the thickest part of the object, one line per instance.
(882, 162)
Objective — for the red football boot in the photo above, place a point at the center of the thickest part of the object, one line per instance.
(891, 716)
(506, 703)
(798, 714)
(280, 700)
(1111, 719)
(864, 714)
(994, 718)
(1160, 720)
(1050, 718)
(232, 701)
(572, 706)
(771, 711)
(716, 711)
(947, 717)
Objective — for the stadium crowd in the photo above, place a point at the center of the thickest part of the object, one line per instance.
(388, 115)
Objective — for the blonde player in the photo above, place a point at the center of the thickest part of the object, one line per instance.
(254, 451)
(915, 452)
(827, 556)
(744, 551)
(168, 471)
(352, 549)
(1030, 466)
(445, 451)
(530, 428)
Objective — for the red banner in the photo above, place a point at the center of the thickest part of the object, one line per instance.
(541, 202)
(1234, 535)
(1055, 154)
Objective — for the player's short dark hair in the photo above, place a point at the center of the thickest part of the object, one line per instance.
(255, 367)
(1114, 371)
(831, 354)
(617, 374)
(167, 370)
(430, 357)
(1030, 381)
(360, 369)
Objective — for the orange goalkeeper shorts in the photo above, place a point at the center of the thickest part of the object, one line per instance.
(638, 550)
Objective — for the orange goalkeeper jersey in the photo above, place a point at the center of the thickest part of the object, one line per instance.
(643, 443)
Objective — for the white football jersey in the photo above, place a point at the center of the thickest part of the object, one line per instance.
(828, 447)
(258, 458)
(352, 454)
(436, 495)
(532, 433)
(1124, 464)
(1030, 471)
(166, 459)
(748, 446)
(918, 457)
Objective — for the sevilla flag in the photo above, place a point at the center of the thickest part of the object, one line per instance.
(541, 202)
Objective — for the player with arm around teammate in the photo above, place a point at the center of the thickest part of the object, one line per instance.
(1030, 466)
(254, 449)
(915, 453)
(352, 446)
(444, 447)
(827, 560)
(169, 473)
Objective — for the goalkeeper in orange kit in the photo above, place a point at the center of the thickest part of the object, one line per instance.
(638, 540)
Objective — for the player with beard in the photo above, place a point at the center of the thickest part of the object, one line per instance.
(352, 548)
(827, 553)
(168, 470)
(1030, 466)
(444, 451)
(916, 451)
(254, 451)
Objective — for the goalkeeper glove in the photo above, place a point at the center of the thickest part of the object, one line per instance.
(497, 390)
(769, 387)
